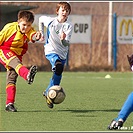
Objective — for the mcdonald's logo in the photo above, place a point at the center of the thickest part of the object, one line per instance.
(126, 25)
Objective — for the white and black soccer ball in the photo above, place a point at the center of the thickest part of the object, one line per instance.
(56, 94)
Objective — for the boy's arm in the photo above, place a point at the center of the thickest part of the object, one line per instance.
(3, 34)
(33, 35)
(65, 42)
(1, 38)
(36, 36)
(62, 38)
(41, 27)
(66, 35)
(44, 22)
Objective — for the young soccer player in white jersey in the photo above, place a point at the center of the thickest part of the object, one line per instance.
(57, 41)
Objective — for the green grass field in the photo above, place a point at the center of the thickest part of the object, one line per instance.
(91, 103)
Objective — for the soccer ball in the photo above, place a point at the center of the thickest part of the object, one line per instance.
(56, 94)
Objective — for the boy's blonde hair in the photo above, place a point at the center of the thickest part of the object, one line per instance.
(65, 5)
(28, 16)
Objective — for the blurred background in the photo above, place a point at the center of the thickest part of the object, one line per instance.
(102, 36)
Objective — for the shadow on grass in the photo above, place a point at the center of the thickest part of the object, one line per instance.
(86, 111)
(71, 110)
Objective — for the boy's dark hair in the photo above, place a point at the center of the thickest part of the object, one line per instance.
(65, 5)
(28, 16)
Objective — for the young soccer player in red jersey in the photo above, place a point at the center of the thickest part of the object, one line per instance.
(14, 38)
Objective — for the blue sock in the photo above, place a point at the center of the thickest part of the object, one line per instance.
(55, 80)
(127, 108)
(50, 84)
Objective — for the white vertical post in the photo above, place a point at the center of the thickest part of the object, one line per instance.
(110, 33)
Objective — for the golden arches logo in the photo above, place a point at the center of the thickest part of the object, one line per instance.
(126, 24)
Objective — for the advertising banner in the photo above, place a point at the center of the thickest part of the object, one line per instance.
(125, 30)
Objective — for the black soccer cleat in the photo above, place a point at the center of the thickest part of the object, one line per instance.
(130, 60)
(49, 103)
(31, 74)
(10, 108)
(114, 125)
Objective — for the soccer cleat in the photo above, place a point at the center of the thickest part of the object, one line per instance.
(130, 60)
(49, 103)
(10, 108)
(115, 124)
(31, 74)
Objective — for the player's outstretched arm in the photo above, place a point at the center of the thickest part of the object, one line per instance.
(37, 36)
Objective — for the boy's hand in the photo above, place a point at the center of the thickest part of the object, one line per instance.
(42, 38)
(63, 36)
(37, 35)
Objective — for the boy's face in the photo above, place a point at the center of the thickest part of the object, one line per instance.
(24, 26)
(63, 13)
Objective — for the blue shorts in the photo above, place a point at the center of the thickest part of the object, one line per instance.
(53, 58)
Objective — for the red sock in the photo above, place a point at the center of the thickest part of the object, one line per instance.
(11, 92)
(23, 72)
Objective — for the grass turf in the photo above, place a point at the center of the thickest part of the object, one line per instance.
(92, 101)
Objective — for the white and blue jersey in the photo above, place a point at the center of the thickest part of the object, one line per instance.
(53, 44)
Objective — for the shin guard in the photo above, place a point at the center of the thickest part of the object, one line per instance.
(10, 93)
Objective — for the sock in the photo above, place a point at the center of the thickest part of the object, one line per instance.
(10, 92)
(23, 72)
(50, 84)
(55, 80)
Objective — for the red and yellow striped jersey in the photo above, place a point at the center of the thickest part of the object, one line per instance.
(12, 39)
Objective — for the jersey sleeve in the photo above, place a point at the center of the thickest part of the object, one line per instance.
(3, 33)
(30, 34)
(43, 22)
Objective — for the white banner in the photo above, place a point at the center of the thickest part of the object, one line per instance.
(81, 27)
(125, 30)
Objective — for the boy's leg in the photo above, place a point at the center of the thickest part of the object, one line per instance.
(126, 109)
(11, 90)
(57, 74)
(57, 68)
(22, 70)
(55, 80)
(10, 60)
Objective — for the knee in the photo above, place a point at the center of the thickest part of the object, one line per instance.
(58, 67)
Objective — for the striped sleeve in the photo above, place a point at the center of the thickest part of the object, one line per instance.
(3, 33)
(30, 34)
